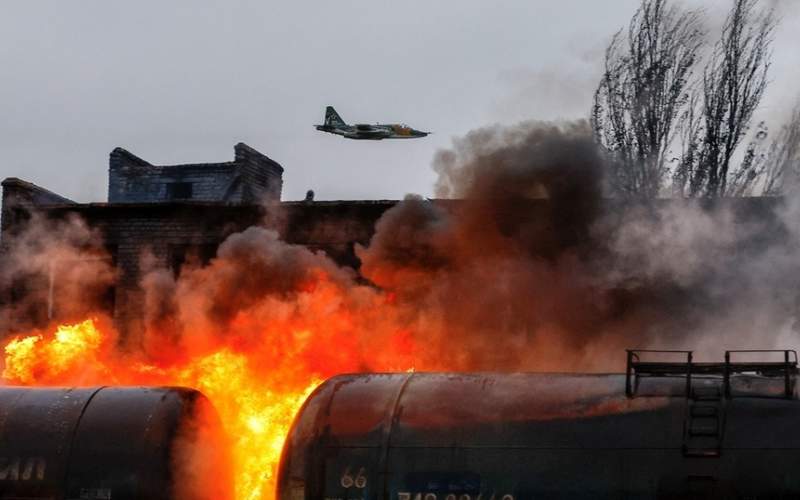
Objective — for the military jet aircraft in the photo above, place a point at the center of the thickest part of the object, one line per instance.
(335, 125)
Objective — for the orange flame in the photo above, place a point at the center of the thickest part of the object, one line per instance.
(255, 408)
(72, 349)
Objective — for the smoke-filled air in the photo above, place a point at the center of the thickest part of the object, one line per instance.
(528, 259)
(522, 265)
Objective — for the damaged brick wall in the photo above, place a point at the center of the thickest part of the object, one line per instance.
(251, 178)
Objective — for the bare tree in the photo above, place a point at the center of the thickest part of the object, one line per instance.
(690, 129)
(782, 167)
(643, 93)
(733, 84)
(744, 180)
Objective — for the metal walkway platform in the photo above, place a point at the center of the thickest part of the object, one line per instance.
(787, 368)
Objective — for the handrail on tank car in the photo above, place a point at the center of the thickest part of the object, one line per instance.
(636, 368)
(788, 366)
(655, 368)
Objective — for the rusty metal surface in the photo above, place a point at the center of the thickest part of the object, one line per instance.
(428, 436)
(90, 443)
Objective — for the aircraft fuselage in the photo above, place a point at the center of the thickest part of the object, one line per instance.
(373, 132)
(335, 125)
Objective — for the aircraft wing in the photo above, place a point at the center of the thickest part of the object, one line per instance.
(365, 131)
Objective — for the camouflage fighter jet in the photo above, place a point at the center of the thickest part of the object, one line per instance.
(335, 125)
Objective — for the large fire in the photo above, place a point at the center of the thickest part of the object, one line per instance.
(493, 282)
(255, 401)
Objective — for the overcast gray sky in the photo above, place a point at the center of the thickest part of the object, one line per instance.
(183, 81)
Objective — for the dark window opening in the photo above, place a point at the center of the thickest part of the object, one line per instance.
(177, 257)
(108, 299)
(112, 250)
(179, 191)
(180, 255)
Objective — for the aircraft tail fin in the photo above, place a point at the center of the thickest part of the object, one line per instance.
(332, 117)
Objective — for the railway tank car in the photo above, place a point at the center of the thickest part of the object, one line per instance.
(664, 429)
(110, 443)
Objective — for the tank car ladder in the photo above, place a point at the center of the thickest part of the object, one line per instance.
(704, 423)
(705, 420)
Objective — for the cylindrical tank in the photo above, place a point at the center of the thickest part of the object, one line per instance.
(110, 443)
(428, 436)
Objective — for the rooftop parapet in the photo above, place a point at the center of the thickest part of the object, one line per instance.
(251, 178)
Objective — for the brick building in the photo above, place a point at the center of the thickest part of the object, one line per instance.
(179, 212)
(176, 212)
(251, 178)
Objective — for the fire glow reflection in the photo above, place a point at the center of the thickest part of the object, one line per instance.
(255, 405)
